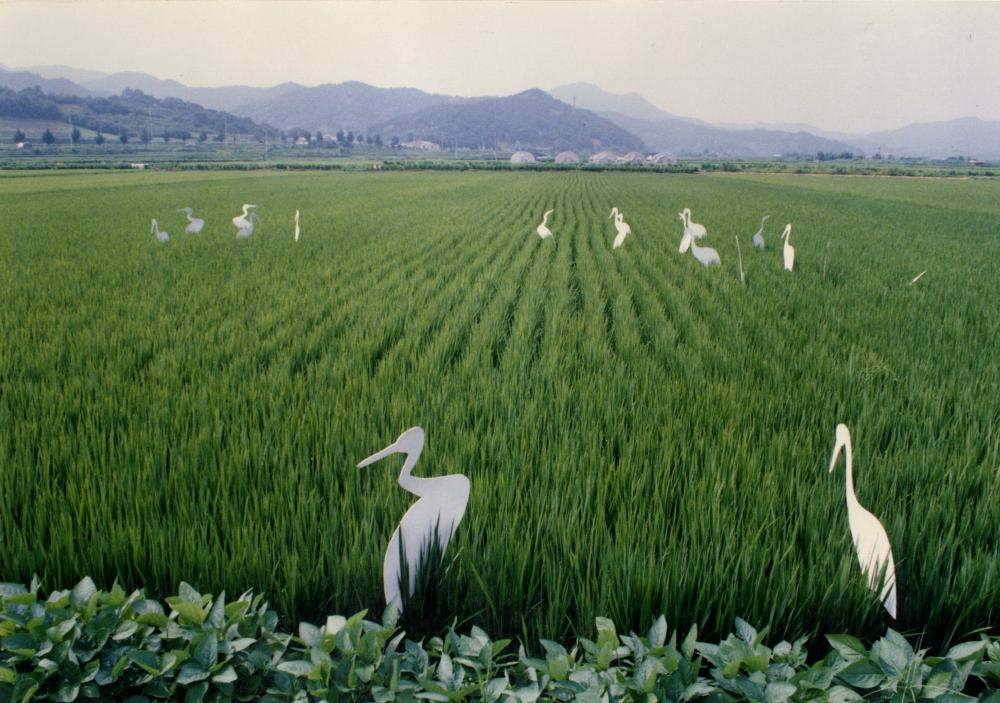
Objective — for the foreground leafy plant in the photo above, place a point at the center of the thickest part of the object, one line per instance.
(87, 644)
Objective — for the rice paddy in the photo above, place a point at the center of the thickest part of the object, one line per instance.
(642, 434)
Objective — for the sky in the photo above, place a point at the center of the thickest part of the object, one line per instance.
(839, 66)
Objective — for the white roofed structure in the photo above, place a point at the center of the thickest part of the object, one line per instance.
(522, 157)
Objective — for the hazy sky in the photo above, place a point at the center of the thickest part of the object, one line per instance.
(850, 66)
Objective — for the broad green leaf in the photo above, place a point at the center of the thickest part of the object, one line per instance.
(862, 674)
(849, 648)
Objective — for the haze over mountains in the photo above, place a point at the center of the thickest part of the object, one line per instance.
(577, 116)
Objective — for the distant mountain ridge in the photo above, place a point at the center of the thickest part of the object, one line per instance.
(360, 107)
(352, 105)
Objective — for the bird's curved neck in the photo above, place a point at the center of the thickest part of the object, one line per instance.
(407, 480)
(545, 219)
(852, 497)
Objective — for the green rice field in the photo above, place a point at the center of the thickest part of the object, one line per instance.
(642, 435)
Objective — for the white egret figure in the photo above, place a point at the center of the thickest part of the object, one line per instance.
(870, 539)
(919, 276)
(697, 231)
(543, 231)
(758, 238)
(789, 249)
(687, 238)
(296, 225)
(241, 221)
(194, 224)
(161, 235)
(740, 254)
(438, 512)
(706, 255)
(245, 232)
(621, 227)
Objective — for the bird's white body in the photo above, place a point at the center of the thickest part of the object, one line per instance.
(543, 231)
(296, 225)
(758, 238)
(789, 249)
(246, 231)
(241, 221)
(621, 226)
(706, 255)
(870, 539)
(194, 224)
(161, 235)
(697, 231)
(441, 508)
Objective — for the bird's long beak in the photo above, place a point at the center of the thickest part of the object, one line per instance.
(843, 437)
(836, 455)
(378, 456)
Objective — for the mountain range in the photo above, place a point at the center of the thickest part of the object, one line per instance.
(578, 116)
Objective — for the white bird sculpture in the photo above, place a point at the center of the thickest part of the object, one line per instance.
(870, 539)
(241, 221)
(245, 232)
(687, 238)
(543, 231)
(789, 249)
(621, 227)
(439, 511)
(706, 255)
(194, 224)
(697, 231)
(161, 235)
(758, 238)
(296, 225)
(919, 276)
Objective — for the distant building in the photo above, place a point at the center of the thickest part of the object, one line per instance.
(138, 166)
(567, 157)
(421, 144)
(522, 157)
(664, 157)
(604, 157)
(23, 145)
(301, 141)
(633, 157)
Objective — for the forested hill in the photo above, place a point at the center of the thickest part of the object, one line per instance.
(529, 119)
(133, 112)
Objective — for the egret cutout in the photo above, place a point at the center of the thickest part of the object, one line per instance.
(740, 254)
(919, 275)
(789, 249)
(758, 237)
(437, 514)
(687, 238)
(697, 231)
(706, 255)
(194, 224)
(161, 235)
(241, 222)
(296, 225)
(870, 539)
(620, 226)
(543, 231)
